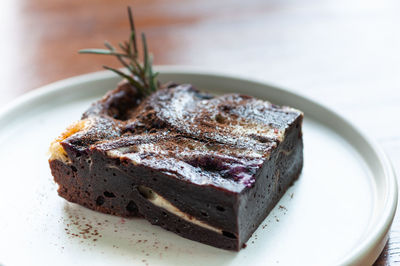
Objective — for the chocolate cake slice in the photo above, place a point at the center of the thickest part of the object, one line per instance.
(209, 168)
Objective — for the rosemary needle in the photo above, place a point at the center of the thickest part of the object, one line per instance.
(141, 75)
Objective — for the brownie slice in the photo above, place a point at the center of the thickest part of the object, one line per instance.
(209, 168)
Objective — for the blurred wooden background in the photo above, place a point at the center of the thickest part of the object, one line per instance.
(345, 54)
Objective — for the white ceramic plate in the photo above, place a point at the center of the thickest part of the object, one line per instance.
(338, 212)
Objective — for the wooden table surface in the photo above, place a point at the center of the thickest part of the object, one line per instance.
(345, 54)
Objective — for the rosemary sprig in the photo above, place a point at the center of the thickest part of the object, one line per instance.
(141, 75)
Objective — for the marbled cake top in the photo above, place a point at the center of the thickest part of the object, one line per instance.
(207, 140)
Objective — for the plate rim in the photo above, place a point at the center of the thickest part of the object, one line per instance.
(367, 251)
